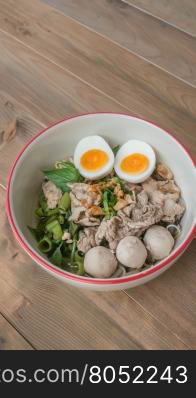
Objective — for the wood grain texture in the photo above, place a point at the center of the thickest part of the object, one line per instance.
(17, 126)
(155, 40)
(50, 92)
(55, 316)
(171, 297)
(134, 84)
(10, 339)
(36, 93)
(181, 13)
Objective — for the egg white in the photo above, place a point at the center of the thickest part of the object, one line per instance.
(130, 147)
(87, 144)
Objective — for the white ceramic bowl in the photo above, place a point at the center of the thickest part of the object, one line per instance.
(58, 141)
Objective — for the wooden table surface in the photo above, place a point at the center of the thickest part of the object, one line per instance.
(65, 57)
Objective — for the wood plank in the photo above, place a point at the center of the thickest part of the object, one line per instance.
(181, 13)
(17, 126)
(135, 84)
(50, 92)
(172, 297)
(141, 33)
(52, 315)
(10, 339)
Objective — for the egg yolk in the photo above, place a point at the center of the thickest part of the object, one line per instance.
(134, 164)
(94, 159)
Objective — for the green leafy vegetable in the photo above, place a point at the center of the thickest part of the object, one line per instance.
(74, 262)
(115, 149)
(33, 232)
(64, 202)
(40, 212)
(105, 202)
(50, 219)
(52, 212)
(45, 244)
(43, 210)
(55, 228)
(121, 183)
(43, 202)
(73, 229)
(57, 257)
(51, 225)
(74, 245)
(108, 201)
(112, 198)
(79, 260)
(61, 219)
(61, 177)
(40, 231)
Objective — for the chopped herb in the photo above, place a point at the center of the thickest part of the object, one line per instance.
(55, 228)
(62, 177)
(45, 244)
(57, 257)
(73, 250)
(108, 201)
(73, 229)
(115, 149)
(79, 260)
(61, 219)
(64, 202)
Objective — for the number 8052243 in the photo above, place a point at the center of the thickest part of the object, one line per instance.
(137, 374)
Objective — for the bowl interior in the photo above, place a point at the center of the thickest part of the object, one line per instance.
(60, 140)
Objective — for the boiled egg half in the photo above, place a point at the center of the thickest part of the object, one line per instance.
(93, 157)
(135, 161)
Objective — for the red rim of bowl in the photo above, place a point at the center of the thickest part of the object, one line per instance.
(38, 259)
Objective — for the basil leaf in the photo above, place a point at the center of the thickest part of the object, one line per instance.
(115, 149)
(57, 257)
(61, 177)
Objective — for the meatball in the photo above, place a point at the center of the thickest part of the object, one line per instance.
(131, 252)
(100, 262)
(159, 242)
